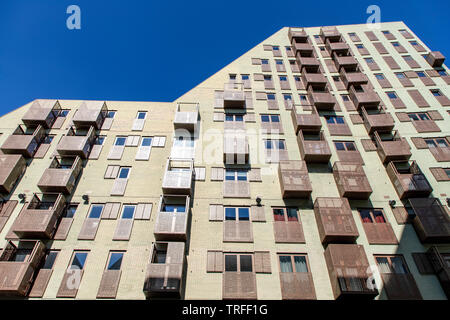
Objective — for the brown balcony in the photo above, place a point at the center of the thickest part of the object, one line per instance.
(172, 218)
(309, 122)
(441, 267)
(18, 265)
(336, 46)
(178, 176)
(351, 180)
(408, 180)
(298, 34)
(294, 179)
(77, 142)
(313, 147)
(186, 116)
(39, 218)
(24, 141)
(313, 77)
(435, 59)
(348, 270)
(335, 220)
(431, 221)
(321, 98)
(61, 176)
(12, 166)
(307, 61)
(330, 33)
(301, 46)
(90, 113)
(233, 96)
(391, 146)
(362, 96)
(164, 276)
(377, 121)
(235, 147)
(42, 112)
(353, 78)
(344, 61)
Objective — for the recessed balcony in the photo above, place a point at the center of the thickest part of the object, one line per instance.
(12, 166)
(18, 266)
(441, 268)
(308, 122)
(39, 219)
(353, 78)
(351, 180)
(435, 59)
(408, 179)
(391, 146)
(77, 142)
(24, 141)
(164, 276)
(42, 112)
(178, 176)
(90, 113)
(330, 33)
(233, 96)
(62, 175)
(172, 218)
(344, 61)
(307, 61)
(294, 179)
(362, 96)
(298, 34)
(321, 98)
(431, 220)
(336, 46)
(377, 120)
(313, 77)
(186, 116)
(313, 147)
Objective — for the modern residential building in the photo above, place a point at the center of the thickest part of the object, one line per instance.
(314, 166)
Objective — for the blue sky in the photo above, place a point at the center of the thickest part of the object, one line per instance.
(157, 50)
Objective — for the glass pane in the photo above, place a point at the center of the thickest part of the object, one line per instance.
(128, 212)
(146, 142)
(70, 211)
(230, 213)
(230, 263)
(275, 118)
(265, 118)
(398, 266)
(50, 260)
(96, 211)
(229, 117)
(365, 216)
(278, 214)
(141, 115)
(430, 144)
(339, 146)
(242, 175)
(292, 214)
(340, 120)
(115, 261)
(442, 143)
(379, 217)
(120, 141)
(79, 260)
(124, 173)
(244, 214)
(383, 264)
(281, 144)
(229, 175)
(285, 264)
(350, 146)
(330, 119)
(300, 264)
(268, 144)
(413, 116)
(246, 263)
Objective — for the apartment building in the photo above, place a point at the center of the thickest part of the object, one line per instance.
(314, 166)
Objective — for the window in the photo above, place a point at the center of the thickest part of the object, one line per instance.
(392, 95)
(288, 49)
(235, 175)
(419, 116)
(270, 96)
(264, 61)
(335, 119)
(297, 79)
(270, 118)
(114, 260)
(146, 142)
(447, 171)
(287, 97)
(99, 140)
(70, 210)
(436, 143)
(232, 77)
(395, 44)
(120, 141)
(413, 43)
(379, 76)
(280, 62)
(407, 58)
(293, 263)
(48, 139)
(303, 97)
(187, 142)
(368, 60)
(336, 78)
(237, 214)
(442, 73)
(234, 117)
(400, 75)
(274, 144)
(322, 48)
(285, 214)
(359, 46)
(50, 259)
(245, 77)
(421, 74)
(275, 48)
(173, 207)
(392, 264)
(111, 114)
(141, 115)
(63, 113)
(96, 211)
(124, 172)
(159, 253)
(345, 97)
(283, 78)
(245, 263)
(345, 145)
(128, 211)
(386, 32)
(436, 92)
(372, 215)
(78, 260)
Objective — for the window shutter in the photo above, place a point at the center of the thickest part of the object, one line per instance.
(109, 284)
(262, 262)
(258, 214)
(255, 175)
(419, 143)
(6, 210)
(217, 174)
(418, 98)
(219, 116)
(143, 152)
(356, 119)
(215, 212)
(250, 117)
(391, 62)
(123, 229)
(258, 77)
(158, 141)
(256, 61)
(132, 141)
(116, 152)
(402, 116)
(423, 263)
(200, 173)
(400, 215)
(95, 152)
(111, 172)
(111, 210)
(143, 211)
(89, 229)
(435, 115)
(214, 261)
(368, 145)
(248, 100)
(218, 99)
(119, 187)
(107, 123)
(63, 228)
(439, 174)
(138, 125)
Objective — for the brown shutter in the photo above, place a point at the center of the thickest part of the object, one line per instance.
(40, 283)
(111, 210)
(402, 116)
(63, 228)
(248, 99)
(419, 143)
(143, 211)
(215, 212)
(237, 231)
(214, 261)
(89, 229)
(258, 77)
(58, 122)
(257, 213)
(423, 263)
(109, 284)
(435, 115)
(391, 62)
(64, 290)
(217, 174)
(254, 175)
(123, 229)
(41, 151)
(219, 116)
(439, 174)
(95, 152)
(356, 119)
(261, 95)
(250, 117)
(418, 98)
(380, 48)
(371, 35)
(368, 145)
(256, 61)
(116, 152)
(6, 210)
(262, 262)
(119, 187)
(401, 215)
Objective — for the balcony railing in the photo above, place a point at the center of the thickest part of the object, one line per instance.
(178, 176)
(39, 219)
(431, 221)
(309, 122)
(294, 179)
(18, 264)
(24, 141)
(77, 142)
(298, 34)
(435, 59)
(11, 169)
(362, 96)
(172, 218)
(313, 78)
(336, 46)
(408, 180)
(441, 268)
(379, 121)
(90, 113)
(42, 112)
(307, 61)
(351, 180)
(321, 98)
(391, 146)
(186, 116)
(61, 176)
(345, 61)
(313, 147)
(353, 78)
(330, 33)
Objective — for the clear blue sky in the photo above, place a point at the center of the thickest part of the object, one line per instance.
(157, 50)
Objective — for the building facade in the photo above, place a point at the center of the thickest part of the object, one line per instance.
(314, 166)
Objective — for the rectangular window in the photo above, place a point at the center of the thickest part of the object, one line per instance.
(78, 260)
(335, 119)
(124, 172)
(237, 213)
(120, 141)
(270, 118)
(128, 211)
(274, 144)
(238, 263)
(114, 260)
(345, 145)
(392, 264)
(400, 75)
(436, 92)
(372, 215)
(379, 76)
(96, 211)
(235, 175)
(419, 116)
(293, 263)
(234, 117)
(392, 95)
(285, 214)
(111, 114)
(141, 115)
(50, 259)
(264, 61)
